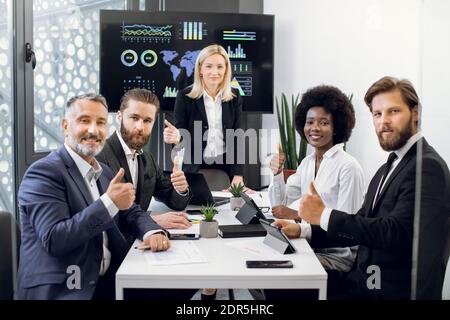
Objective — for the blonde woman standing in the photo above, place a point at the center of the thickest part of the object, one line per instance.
(207, 109)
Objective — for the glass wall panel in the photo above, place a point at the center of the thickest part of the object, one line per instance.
(66, 43)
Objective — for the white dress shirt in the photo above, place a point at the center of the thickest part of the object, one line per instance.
(90, 175)
(133, 164)
(215, 145)
(131, 160)
(326, 213)
(340, 183)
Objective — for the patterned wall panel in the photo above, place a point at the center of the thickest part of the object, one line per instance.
(6, 107)
(66, 43)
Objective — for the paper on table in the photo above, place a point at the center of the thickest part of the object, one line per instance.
(181, 252)
(224, 194)
(261, 199)
(194, 228)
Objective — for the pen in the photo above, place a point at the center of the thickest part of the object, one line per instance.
(142, 247)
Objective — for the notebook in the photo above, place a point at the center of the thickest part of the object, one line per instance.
(242, 231)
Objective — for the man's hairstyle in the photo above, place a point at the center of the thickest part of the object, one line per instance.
(387, 84)
(140, 95)
(86, 96)
(335, 102)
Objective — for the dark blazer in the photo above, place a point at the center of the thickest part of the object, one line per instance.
(151, 179)
(188, 111)
(62, 227)
(385, 233)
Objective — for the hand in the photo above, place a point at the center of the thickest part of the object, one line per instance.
(157, 242)
(172, 220)
(122, 194)
(291, 230)
(178, 178)
(283, 212)
(311, 206)
(171, 134)
(240, 180)
(277, 161)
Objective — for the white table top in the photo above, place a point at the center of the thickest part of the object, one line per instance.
(226, 266)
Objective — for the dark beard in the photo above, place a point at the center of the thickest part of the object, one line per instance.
(399, 140)
(135, 142)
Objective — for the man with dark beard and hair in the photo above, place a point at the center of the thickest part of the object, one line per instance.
(124, 149)
(384, 226)
(71, 207)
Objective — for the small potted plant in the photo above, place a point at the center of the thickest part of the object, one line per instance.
(236, 202)
(208, 226)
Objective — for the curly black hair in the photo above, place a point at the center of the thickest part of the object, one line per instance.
(335, 102)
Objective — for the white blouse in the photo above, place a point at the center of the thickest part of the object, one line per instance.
(339, 181)
(215, 145)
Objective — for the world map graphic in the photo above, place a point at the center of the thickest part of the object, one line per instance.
(186, 61)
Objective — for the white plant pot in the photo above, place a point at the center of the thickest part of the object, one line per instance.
(236, 203)
(209, 229)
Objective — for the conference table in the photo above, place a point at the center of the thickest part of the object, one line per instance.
(223, 265)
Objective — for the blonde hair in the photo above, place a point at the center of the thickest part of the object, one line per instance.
(198, 86)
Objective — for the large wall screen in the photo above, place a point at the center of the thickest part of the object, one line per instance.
(157, 51)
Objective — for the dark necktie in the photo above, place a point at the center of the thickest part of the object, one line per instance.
(387, 168)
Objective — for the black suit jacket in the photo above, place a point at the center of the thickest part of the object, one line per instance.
(385, 233)
(151, 179)
(188, 111)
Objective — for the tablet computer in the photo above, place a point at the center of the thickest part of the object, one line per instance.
(279, 234)
(251, 213)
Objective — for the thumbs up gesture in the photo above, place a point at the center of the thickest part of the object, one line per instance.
(311, 206)
(171, 134)
(122, 194)
(178, 178)
(277, 161)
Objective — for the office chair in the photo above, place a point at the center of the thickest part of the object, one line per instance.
(7, 224)
(216, 179)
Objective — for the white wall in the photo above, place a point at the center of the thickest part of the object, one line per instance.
(351, 44)
(436, 84)
(436, 75)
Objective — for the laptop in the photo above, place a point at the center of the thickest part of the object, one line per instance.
(201, 194)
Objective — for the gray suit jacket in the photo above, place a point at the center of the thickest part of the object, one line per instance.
(62, 229)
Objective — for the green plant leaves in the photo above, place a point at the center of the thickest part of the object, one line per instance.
(286, 125)
(209, 212)
(236, 189)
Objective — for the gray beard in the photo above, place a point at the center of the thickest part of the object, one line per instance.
(82, 150)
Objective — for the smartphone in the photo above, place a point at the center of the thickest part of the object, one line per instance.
(184, 236)
(269, 264)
